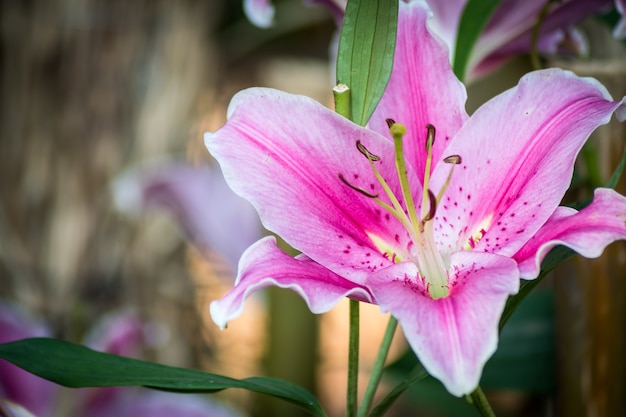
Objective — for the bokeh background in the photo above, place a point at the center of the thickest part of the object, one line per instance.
(92, 89)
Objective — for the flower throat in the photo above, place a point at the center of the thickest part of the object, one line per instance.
(427, 258)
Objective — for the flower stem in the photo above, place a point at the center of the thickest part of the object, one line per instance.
(534, 41)
(377, 370)
(341, 93)
(353, 360)
(480, 402)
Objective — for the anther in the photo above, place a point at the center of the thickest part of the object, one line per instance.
(357, 189)
(430, 137)
(366, 152)
(390, 122)
(453, 159)
(432, 200)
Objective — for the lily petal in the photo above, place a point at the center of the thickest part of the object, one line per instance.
(264, 265)
(285, 154)
(620, 29)
(587, 231)
(144, 403)
(519, 151)
(259, 12)
(509, 33)
(210, 214)
(422, 90)
(10, 409)
(447, 15)
(120, 333)
(454, 336)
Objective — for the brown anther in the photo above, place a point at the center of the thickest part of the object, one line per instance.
(390, 122)
(433, 207)
(453, 159)
(430, 137)
(366, 152)
(357, 189)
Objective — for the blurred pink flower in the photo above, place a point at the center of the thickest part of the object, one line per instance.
(508, 32)
(259, 12)
(17, 385)
(210, 214)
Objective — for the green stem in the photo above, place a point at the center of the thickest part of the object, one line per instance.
(341, 94)
(353, 360)
(377, 370)
(534, 40)
(480, 402)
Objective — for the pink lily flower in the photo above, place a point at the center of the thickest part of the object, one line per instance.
(437, 240)
(508, 32)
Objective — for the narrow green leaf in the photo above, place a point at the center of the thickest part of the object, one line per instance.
(365, 56)
(475, 16)
(417, 374)
(76, 366)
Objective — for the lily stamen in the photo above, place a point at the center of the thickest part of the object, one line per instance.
(454, 160)
(357, 189)
(430, 137)
(430, 265)
(366, 152)
(433, 207)
(395, 209)
(430, 141)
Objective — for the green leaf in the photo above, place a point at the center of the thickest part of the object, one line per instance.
(475, 16)
(76, 366)
(417, 374)
(365, 56)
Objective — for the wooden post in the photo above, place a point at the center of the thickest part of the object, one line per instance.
(591, 293)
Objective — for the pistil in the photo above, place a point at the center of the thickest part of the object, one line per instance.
(397, 132)
(429, 262)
